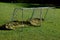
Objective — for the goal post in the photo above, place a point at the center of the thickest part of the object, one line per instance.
(23, 14)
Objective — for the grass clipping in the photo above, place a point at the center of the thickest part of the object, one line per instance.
(35, 22)
(13, 25)
(17, 24)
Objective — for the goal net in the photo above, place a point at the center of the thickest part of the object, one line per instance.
(26, 13)
(23, 14)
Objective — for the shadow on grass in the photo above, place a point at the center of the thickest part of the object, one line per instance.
(57, 7)
(3, 28)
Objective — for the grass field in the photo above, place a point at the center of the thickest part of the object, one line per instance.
(50, 29)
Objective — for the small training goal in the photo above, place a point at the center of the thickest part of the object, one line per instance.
(21, 17)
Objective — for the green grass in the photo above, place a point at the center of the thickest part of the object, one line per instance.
(50, 29)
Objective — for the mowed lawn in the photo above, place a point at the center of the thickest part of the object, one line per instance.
(50, 29)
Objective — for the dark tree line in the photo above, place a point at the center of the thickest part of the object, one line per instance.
(33, 1)
(45, 2)
(8, 1)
